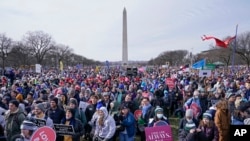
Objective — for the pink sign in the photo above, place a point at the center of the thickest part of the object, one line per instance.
(44, 133)
(159, 133)
(170, 82)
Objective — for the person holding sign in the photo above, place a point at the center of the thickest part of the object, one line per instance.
(40, 118)
(105, 126)
(77, 125)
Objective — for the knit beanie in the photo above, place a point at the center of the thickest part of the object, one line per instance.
(99, 105)
(158, 109)
(73, 101)
(189, 113)
(207, 115)
(41, 107)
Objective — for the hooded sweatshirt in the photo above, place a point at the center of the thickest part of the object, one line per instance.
(106, 131)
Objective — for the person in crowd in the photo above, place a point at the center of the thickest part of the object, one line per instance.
(55, 113)
(127, 121)
(247, 94)
(105, 126)
(203, 100)
(236, 117)
(208, 126)
(79, 114)
(147, 113)
(230, 96)
(40, 114)
(222, 120)
(106, 100)
(159, 116)
(189, 117)
(190, 132)
(195, 100)
(22, 103)
(244, 109)
(70, 119)
(131, 103)
(27, 129)
(89, 112)
(214, 98)
(13, 119)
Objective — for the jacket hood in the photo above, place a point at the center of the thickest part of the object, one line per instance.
(105, 111)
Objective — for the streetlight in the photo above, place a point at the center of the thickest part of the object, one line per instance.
(5, 52)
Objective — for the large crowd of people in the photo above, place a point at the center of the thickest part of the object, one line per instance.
(108, 104)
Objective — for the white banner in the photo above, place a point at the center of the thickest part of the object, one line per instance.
(38, 68)
(205, 73)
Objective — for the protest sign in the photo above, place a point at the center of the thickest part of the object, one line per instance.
(44, 133)
(39, 122)
(62, 129)
(170, 82)
(159, 133)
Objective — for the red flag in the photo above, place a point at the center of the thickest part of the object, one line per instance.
(219, 42)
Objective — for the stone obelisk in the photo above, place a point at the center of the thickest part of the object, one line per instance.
(124, 39)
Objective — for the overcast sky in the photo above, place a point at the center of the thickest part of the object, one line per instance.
(93, 28)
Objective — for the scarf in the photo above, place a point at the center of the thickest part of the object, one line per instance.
(145, 109)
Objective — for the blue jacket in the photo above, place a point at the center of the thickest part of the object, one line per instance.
(129, 123)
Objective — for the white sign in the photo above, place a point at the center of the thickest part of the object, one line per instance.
(205, 73)
(38, 68)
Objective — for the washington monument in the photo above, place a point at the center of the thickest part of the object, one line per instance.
(124, 39)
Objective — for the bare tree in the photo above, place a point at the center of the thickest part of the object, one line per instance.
(5, 47)
(39, 43)
(175, 58)
(243, 47)
(20, 55)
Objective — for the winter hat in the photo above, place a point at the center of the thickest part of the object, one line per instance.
(229, 94)
(125, 106)
(207, 115)
(73, 101)
(158, 109)
(41, 107)
(19, 97)
(189, 126)
(189, 113)
(105, 94)
(99, 105)
(55, 99)
(28, 125)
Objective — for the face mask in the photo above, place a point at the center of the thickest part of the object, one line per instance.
(159, 116)
(196, 96)
(189, 120)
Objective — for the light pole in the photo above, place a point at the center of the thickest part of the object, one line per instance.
(5, 52)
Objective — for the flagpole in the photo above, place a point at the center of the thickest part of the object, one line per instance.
(234, 48)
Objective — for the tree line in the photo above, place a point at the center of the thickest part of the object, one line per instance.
(38, 47)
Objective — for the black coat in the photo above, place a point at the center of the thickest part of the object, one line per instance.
(196, 136)
(78, 128)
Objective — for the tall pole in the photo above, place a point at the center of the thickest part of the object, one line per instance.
(191, 56)
(124, 39)
(234, 48)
